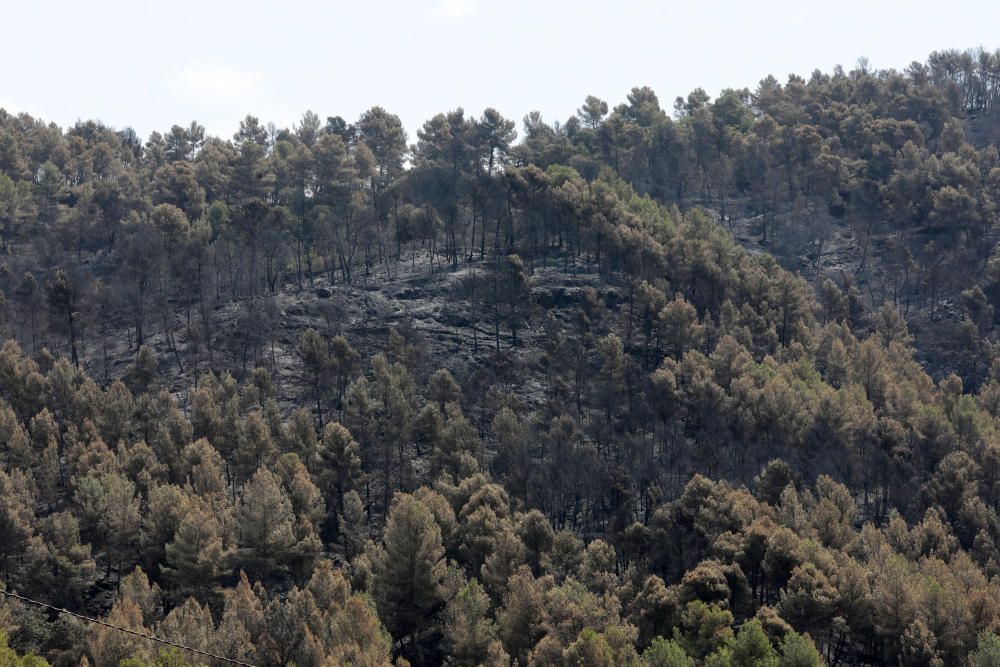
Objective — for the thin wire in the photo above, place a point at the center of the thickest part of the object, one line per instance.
(126, 630)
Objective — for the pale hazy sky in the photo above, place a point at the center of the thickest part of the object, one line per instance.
(153, 64)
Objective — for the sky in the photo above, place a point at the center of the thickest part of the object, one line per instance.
(151, 64)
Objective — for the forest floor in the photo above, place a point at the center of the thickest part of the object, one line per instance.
(432, 310)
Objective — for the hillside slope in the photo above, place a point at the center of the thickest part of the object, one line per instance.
(318, 396)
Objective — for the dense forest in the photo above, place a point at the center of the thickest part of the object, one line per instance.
(713, 385)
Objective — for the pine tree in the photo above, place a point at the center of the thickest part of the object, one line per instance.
(16, 516)
(442, 388)
(189, 624)
(255, 447)
(315, 355)
(306, 498)
(798, 651)
(750, 648)
(299, 437)
(109, 647)
(361, 639)
(59, 566)
(410, 575)
(353, 522)
(590, 648)
(135, 586)
(521, 622)
(111, 511)
(655, 611)
(266, 523)
(467, 627)
(704, 628)
(341, 456)
(197, 552)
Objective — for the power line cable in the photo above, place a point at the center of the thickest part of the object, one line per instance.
(151, 638)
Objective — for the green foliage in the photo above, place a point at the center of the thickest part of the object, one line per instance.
(798, 651)
(666, 653)
(167, 657)
(703, 629)
(987, 653)
(8, 658)
(467, 626)
(266, 521)
(752, 648)
(590, 648)
(410, 574)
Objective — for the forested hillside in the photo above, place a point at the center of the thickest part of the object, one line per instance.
(715, 385)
